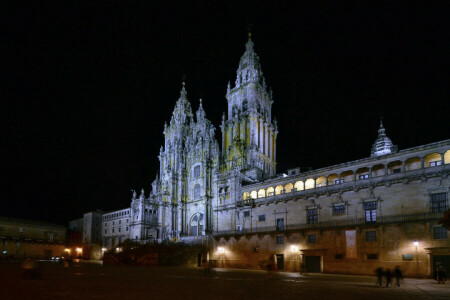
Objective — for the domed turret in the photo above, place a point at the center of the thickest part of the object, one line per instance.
(382, 145)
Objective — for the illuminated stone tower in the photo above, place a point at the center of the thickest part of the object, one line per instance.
(248, 132)
(187, 163)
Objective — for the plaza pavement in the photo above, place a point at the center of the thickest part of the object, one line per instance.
(94, 281)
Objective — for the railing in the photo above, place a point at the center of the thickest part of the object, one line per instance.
(335, 224)
(331, 188)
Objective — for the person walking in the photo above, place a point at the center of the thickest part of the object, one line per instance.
(388, 276)
(379, 272)
(441, 275)
(398, 275)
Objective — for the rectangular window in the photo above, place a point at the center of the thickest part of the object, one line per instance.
(120, 229)
(371, 236)
(364, 176)
(246, 213)
(113, 223)
(51, 236)
(396, 171)
(338, 209)
(262, 218)
(312, 238)
(113, 230)
(105, 231)
(371, 211)
(439, 202)
(339, 256)
(312, 216)
(435, 163)
(106, 224)
(280, 240)
(120, 221)
(338, 181)
(127, 228)
(20, 229)
(239, 228)
(372, 256)
(196, 171)
(280, 224)
(440, 233)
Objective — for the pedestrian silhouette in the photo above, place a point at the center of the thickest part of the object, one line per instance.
(398, 275)
(379, 272)
(388, 276)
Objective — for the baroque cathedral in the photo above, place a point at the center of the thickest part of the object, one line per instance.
(350, 218)
(195, 175)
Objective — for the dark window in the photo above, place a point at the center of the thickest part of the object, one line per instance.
(197, 171)
(312, 216)
(371, 211)
(339, 256)
(338, 209)
(440, 233)
(280, 240)
(262, 218)
(244, 105)
(105, 231)
(247, 213)
(371, 236)
(312, 238)
(120, 229)
(439, 202)
(396, 171)
(372, 256)
(197, 191)
(280, 224)
(113, 230)
(127, 228)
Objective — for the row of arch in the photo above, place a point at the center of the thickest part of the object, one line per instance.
(393, 167)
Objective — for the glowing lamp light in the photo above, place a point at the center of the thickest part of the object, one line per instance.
(416, 244)
(221, 250)
(294, 248)
(67, 250)
(79, 250)
(103, 249)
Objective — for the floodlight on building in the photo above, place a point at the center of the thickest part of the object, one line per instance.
(221, 250)
(416, 244)
(294, 248)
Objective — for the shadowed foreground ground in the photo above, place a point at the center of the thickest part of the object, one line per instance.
(94, 281)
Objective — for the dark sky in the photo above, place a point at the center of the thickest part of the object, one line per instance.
(89, 86)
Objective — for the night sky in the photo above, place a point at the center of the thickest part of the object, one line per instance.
(88, 87)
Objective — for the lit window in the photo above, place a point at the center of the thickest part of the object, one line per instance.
(371, 236)
(338, 181)
(261, 218)
(239, 228)
(440, 233)
(312, 238)
(370, 211)
(436, 163)
(20, 229)
(364, 176)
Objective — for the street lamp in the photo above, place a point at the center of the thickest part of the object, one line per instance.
(416, 244)
(294, 248)
(221, 250)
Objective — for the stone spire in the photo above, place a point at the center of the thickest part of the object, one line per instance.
(382, 145)
(182, 108)
(200, 112)
(249, 67)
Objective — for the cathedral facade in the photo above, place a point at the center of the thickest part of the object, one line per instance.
(348, 218)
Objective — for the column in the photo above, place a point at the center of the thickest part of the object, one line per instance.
(422, 162)
(370, 172)
(266, 140)
(270, 144)
(403, 167)
(261, 139)
(385, 170)
(443, 159)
